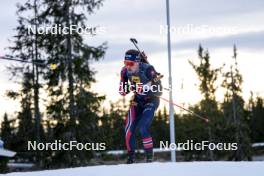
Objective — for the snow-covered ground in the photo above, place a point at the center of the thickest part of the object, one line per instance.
(160, 169)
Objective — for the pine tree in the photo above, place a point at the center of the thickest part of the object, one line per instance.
(208, 106)
(26, 130)
(233, 108)
(71, 103)
(6, 131)
(160, 126)
(256, 120)
(112, 126)
(27, 48)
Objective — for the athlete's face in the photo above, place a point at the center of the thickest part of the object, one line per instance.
(131, 66)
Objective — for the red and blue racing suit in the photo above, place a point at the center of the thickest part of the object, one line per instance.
(140, 115)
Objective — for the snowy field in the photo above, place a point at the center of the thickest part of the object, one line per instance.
(160, 169)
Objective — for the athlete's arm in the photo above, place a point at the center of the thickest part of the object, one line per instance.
(152, 74)
(123, 85)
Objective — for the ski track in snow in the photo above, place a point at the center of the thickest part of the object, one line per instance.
(159, 169)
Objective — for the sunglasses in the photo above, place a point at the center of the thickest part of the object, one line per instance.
(129, 63)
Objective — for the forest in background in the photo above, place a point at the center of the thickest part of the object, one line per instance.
(72, 110)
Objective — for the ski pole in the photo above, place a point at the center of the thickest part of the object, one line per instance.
(195, 114)
(19, 60)
(159, 77)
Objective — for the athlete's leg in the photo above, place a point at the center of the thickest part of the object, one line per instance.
(144, 125)
(130, 128)
(130, 132)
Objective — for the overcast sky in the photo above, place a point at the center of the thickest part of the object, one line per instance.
(217, 25)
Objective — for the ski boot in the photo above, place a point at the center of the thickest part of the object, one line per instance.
(131, 157)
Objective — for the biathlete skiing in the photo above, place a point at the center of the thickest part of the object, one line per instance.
(140, 78)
